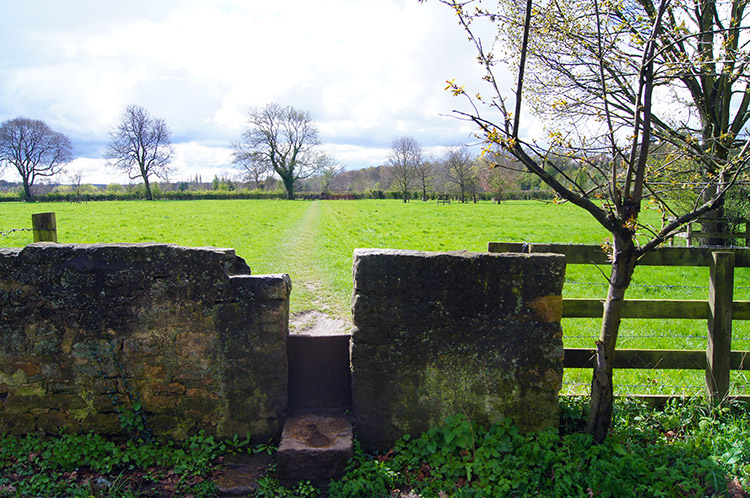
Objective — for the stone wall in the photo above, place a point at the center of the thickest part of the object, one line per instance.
(187, 334)
(438, 334)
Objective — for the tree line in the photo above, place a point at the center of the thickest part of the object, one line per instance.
(279, 148)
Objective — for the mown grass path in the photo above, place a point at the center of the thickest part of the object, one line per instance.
(297, 254)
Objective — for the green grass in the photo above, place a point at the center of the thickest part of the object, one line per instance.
(313, 242)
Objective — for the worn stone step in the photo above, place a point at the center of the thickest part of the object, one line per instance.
(314, 447)
(240, 473)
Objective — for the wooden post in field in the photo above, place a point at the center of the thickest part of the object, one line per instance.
(719, 347)
(44, 226)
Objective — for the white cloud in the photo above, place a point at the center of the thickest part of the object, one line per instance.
(366, 71)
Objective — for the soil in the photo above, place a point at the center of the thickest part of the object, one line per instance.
(318, 323)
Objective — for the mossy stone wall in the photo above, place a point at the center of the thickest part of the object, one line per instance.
(438, 334)
(187, 334)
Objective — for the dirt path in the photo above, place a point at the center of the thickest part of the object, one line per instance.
(314, 308)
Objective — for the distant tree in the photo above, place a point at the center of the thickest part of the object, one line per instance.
(115, 188)
(285, 140)
(424, 173)
(34, 149)
(460, 172)
(253, 165)
(140, 146)
(327, 175)
(405, 155)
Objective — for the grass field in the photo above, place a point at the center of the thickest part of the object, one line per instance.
(313, 242)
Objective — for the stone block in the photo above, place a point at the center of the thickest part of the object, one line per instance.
(443, 333)
(314, 448)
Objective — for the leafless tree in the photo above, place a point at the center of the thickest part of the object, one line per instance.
(613, 66)
(254, 168)
(327, 176)
(34, 149)
(405, 155)
(140, 146)
(460, 172)
(286, 140)
(424, 173)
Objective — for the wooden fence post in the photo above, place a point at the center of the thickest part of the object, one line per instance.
(719, 347)
(44, 226)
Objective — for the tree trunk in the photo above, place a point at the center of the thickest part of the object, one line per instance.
(623, 265)
(147, 187)
(717, 223)
(27, 190)
(289, 186)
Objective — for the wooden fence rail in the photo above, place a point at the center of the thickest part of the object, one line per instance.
(719, 311)
(694, 236)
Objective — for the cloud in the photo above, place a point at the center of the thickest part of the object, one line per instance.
(366, 71)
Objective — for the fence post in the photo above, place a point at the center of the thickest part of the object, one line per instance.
(719, 347)
(44, 226)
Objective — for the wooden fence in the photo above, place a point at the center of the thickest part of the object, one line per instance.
(719, 311)
(694, 236)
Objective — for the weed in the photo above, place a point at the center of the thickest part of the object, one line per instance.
(685, 450)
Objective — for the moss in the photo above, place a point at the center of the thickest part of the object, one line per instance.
(17, 379)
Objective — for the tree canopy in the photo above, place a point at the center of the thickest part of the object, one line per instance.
(34, 149)
(404, 160)
(140, 146)
(285, 140)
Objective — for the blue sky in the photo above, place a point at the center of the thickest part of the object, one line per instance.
(368, 71)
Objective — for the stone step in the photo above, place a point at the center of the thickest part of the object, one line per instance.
(240, 473)
(314, 447)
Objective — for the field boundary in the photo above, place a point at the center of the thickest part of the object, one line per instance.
(719, 311)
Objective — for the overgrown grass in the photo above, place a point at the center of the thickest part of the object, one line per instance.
(314, 241)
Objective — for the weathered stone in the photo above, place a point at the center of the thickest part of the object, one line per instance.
(107, 324)
(314, 448)
(443, 333)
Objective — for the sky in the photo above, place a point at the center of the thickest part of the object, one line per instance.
(367, 71)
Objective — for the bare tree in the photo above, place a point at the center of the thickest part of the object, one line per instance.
(254, 168)
(424, 173)
(614, 61)
(405, 155)
(139, 145)
(34, 149)
(327, 175)
(459, 171)
(286, 140)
